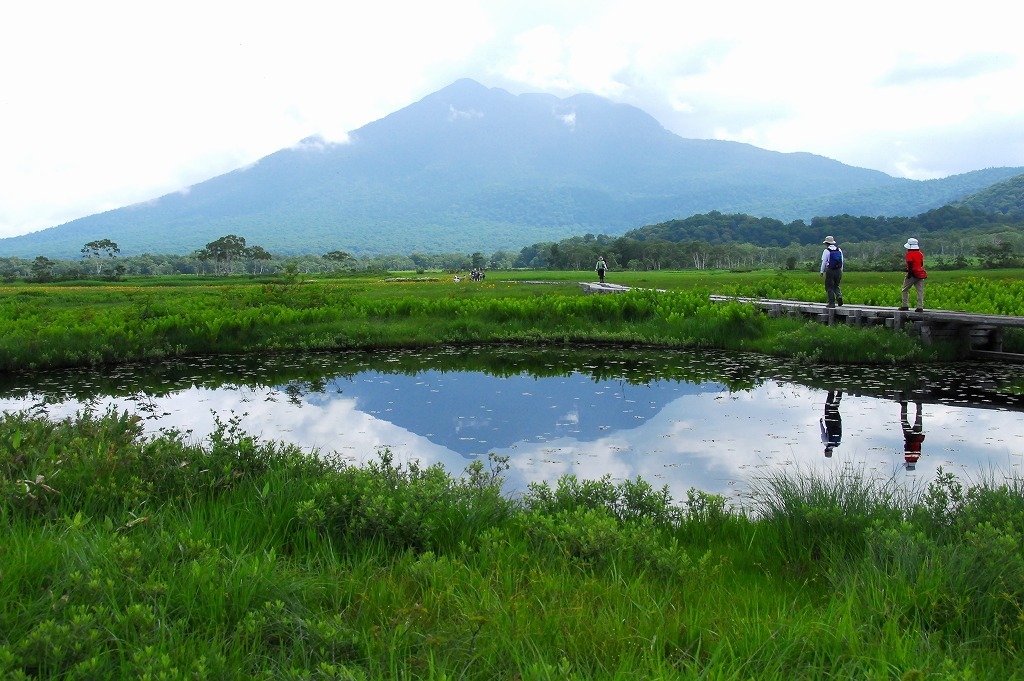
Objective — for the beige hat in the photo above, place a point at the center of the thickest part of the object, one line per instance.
(912, 244)
(829, 240)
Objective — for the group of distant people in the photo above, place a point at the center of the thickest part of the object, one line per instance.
(832, 429)
(914, 276)
(475, 274)
(832, 264)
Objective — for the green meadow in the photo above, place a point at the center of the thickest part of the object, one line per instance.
(133, 556)
(149, 319)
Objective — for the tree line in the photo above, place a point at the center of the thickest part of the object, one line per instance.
(232, 255)
(952, 237)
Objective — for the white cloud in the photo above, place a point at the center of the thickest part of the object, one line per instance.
(712, 440)
(115, 103)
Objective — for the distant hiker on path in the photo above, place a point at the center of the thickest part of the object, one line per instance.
(600, 268)
(915, 275)
(832, 270)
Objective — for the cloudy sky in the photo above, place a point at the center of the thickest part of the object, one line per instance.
(113, 102)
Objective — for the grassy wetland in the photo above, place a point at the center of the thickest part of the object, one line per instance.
(94, 323)
(135, 556)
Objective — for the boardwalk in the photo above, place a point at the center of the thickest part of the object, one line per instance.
(982, 332)
(605, 287)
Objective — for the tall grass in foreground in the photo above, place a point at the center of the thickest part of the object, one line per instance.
(127, 556)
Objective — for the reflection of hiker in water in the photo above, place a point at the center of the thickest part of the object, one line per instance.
(831, 423)
(912, 436)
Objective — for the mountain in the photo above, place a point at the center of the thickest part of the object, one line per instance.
(470, 168)
(1004, 199)
(905, 198)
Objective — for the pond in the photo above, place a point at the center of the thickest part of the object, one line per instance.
(684, 419)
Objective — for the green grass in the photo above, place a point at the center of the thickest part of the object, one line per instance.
(133, 557)
(44, 327)
(127, 556)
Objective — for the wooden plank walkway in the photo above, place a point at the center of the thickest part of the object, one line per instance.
(982, 332)
(598, 287)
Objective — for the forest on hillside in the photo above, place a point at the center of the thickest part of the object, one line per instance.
(952, 236)
(1004, 199)
(985, 229)
(955, 236)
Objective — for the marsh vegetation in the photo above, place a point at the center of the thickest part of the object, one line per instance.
(134, 557)
(157, 556)
(150, 319)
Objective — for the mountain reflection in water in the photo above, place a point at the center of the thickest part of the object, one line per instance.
(683, 419)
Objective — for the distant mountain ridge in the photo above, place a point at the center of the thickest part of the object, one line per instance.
(471, 168)
(1004, 199)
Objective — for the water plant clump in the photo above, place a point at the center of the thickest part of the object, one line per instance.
(127, 556)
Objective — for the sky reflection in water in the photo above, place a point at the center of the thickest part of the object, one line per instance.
(670, 432)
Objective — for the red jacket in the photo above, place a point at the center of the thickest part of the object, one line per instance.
(915, 264)
(912, 444)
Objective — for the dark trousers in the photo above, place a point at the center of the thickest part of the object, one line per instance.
(832, 290)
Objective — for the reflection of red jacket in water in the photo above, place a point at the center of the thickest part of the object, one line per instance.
(912, 446)
(912, 436)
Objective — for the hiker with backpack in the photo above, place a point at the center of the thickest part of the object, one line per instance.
(601, 267)
(832, 270)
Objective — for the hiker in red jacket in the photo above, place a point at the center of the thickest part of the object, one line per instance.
(915, 275)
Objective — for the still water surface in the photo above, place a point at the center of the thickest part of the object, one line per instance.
(683, 419)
